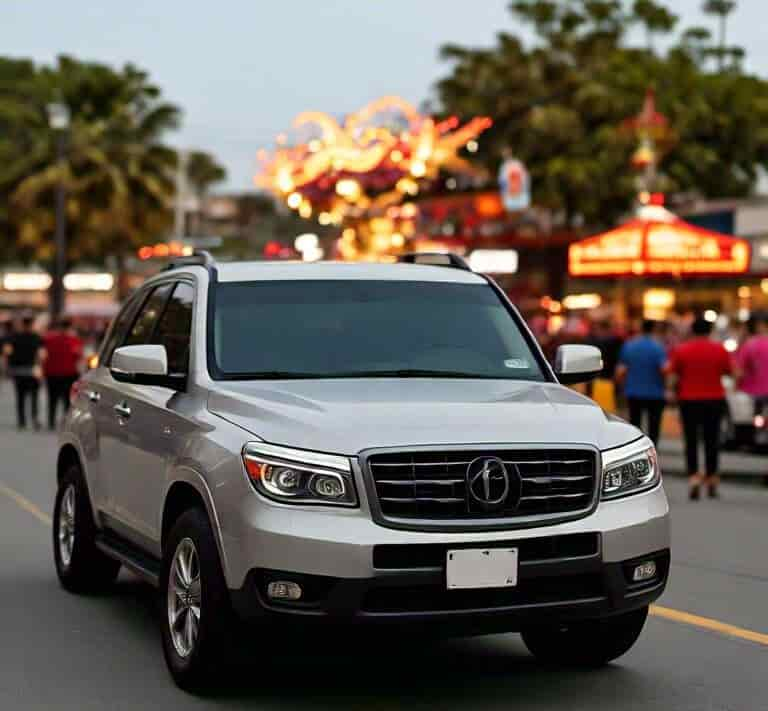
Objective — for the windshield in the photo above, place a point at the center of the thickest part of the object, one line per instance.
(355, 328)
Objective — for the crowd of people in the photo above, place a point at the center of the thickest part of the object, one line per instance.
(651, 371)
(52, 358)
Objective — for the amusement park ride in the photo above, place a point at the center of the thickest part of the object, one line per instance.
(363, 172)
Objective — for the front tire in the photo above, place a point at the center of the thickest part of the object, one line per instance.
(82, 568)
(591, 643)
(195, 605)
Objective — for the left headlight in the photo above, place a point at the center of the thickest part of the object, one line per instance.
(296, 476)
(630, 469)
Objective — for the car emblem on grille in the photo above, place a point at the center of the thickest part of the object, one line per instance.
(488, 483)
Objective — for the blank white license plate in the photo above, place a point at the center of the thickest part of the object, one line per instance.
(481, 568)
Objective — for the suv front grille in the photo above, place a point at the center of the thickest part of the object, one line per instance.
(432, 485)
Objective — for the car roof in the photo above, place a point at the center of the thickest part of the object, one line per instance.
(373, 271)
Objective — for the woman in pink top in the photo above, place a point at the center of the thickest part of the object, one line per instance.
(751, 364)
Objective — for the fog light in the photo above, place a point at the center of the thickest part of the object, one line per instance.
(284, 590)
(644, 571)
(759, 421)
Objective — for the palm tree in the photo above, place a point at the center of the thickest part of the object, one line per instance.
(117, 172)
(722, 9)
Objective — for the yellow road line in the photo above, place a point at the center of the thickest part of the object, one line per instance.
(707, 623)
(24, 503)
(667, 613)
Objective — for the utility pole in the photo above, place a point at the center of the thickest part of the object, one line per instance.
(58, 120)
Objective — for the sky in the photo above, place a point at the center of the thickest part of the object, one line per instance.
(242, 69)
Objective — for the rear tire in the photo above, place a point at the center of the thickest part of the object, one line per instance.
(591, 643)
(196, 612)
(82, 568)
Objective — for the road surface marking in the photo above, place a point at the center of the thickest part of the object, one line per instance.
(667, 613)
(707, 623)
(24, 503)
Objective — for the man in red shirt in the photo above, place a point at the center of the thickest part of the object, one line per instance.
(64, 351)
(700, 364)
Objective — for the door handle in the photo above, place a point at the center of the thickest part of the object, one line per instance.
(123, 410)
(94, 396)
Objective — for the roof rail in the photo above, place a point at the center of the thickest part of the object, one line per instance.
(436, 259)
(199, 257)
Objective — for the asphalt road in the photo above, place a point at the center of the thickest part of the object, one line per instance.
(64, 652)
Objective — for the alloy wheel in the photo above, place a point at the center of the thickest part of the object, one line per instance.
(184, 598)
(67, 525)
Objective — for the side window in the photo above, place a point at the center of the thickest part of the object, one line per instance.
(117, 331)
(175, 326)
(151, 311)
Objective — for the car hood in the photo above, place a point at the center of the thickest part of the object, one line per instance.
(347, 416)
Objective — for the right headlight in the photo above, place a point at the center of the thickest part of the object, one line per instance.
(630, 469)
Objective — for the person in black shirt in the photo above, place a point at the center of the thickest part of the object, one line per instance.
(24, 352)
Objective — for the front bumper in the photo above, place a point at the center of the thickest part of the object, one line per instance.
(548, 592)
(356, 571)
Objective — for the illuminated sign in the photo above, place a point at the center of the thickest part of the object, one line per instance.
(74, 281)
(647, 248)
(494, 261)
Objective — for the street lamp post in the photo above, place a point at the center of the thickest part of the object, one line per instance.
(58, 120)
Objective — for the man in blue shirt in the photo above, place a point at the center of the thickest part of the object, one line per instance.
(641, 363)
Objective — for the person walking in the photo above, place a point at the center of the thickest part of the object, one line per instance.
(751, 364)
(640, 367)
(61, 367)
(5, 338)
(24, 353)
(699, 365)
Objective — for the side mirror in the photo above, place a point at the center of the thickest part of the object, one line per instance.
(144, 365)
(577, 364)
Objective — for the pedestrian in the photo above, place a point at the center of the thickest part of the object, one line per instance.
(5, 337)
(751, 364)
(641, 369)
(61, 367)
(699, 365)
(603, 388)
(24, 353)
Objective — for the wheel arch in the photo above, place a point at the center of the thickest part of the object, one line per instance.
(68, 455)
(189, 490)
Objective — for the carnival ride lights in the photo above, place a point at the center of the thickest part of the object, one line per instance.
(375, 159)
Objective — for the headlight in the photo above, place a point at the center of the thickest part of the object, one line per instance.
(295, 476)
(630, 469)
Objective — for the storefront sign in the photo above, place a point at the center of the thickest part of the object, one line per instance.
(658, 248)
(494, 261)
(515, 184)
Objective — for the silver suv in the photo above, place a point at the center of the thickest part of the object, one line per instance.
(355, 444)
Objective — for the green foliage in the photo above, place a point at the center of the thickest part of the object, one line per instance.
(560, 105)
(117, 170)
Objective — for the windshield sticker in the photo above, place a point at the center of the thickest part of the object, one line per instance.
(517, 363)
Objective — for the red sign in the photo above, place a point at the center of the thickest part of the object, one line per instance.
(669, 248)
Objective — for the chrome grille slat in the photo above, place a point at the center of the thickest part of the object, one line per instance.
(555, 496)
(430, 484)
(418, 482)
(559, 477)
(435, 499)
(423, 464)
